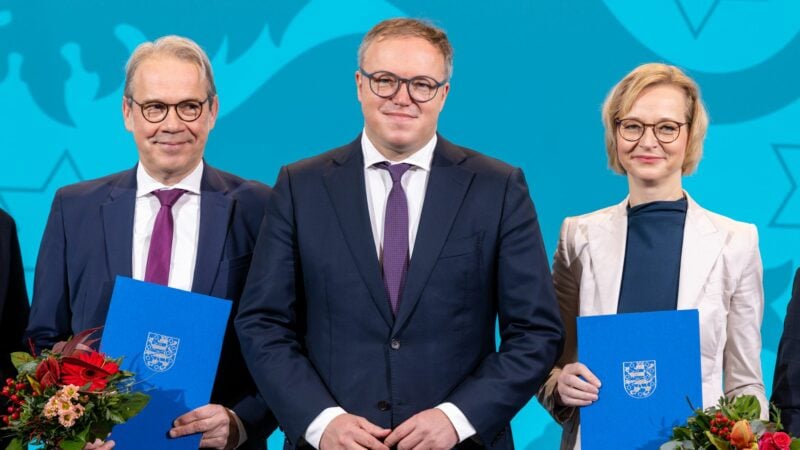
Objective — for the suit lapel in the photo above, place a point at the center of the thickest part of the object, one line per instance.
(215, 213)
(607, 249)
(702, 244)
(447, 186)
(117, 215)
(345, 185)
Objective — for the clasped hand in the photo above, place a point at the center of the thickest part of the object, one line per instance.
(430, 429)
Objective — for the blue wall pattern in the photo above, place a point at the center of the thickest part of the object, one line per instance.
(529, 80)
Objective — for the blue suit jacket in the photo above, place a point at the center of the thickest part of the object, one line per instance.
(786, 384)
(88, 242)
(315, 322)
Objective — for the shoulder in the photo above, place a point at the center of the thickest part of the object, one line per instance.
(479, 162)
(98, 188)
(741, 236)
(235, 185)
(7, 225)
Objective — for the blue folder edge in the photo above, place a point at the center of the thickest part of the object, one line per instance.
(172, 340)
(649, 366)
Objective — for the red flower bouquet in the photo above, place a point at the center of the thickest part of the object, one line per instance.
(67, 396)
(732, 425)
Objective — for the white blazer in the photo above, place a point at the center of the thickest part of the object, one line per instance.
(720, 275)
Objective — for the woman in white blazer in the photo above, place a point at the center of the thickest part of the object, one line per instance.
(661, 243)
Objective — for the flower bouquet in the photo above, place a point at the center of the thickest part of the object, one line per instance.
(67, 396)
(732, 425)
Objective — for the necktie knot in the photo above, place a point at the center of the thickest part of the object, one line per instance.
(396, 171)
(168, 197)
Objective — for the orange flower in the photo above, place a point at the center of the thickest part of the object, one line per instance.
(741, 435)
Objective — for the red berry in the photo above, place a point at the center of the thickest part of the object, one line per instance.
(10, 409)
(20, 386)
(15, 416)
(5, 391)
(5, 420)
(15, 398)
(10, 381)
(714, 430)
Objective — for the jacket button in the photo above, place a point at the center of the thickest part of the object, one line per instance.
(395, 344)
(383, 405)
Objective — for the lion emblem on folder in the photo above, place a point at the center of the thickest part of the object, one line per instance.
(639, 378)
(160, 351)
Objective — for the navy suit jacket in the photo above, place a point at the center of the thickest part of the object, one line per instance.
(88, 242)
(315, 322)
(13, 302)
(786, 384)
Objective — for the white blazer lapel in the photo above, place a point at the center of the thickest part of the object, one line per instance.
(607, 251)
(702, 244)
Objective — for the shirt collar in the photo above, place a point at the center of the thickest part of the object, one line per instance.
(421, 158)
(145, 184)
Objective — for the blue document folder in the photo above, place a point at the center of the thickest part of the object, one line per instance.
(172, 340)
(649, 365)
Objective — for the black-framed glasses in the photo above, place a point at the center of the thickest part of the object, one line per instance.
(385, 84)
(187, 110)
(665, 131)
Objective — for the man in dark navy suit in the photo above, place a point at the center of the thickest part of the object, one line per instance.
(14, 307)
(368, 318)
(786, 385)
(172, 219)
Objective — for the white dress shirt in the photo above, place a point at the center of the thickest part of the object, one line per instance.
(186, 220)
(378, 183)
(186, 216)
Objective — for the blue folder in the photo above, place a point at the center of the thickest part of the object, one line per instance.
(649, 365)
(172, 340)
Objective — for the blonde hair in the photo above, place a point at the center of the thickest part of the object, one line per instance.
(622, 97)
(177, 47)
(407, 27)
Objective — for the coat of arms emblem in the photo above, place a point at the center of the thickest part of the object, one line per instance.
(639, 378)
(160, 351)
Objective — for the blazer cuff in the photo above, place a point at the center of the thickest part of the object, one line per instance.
(464, 429)
(320, 423)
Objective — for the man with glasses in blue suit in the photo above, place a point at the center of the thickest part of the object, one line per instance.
(172, 220)
(382, 267)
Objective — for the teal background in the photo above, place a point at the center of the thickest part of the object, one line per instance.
(527, 88)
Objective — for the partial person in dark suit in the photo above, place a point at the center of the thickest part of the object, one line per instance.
(14, 307)
(382, 267)
(106, 227)
(786, 384)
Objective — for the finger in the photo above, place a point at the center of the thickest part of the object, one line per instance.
(215, 442)
(364, 439)
(108, 445)
(580, 370)
(373, 429)
(399, 433)
(198, 426)
(203, 412)
(414, 440)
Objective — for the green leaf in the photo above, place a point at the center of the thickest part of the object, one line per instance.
(20, 358)
(717, 442)
(131, 404)
(795, 445)
(15, 444)
(72, 445)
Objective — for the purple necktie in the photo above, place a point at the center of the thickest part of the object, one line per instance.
(395, 235)
(158, 257)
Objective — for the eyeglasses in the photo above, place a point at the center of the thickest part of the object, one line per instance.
(384, 84)
(187, 110)
(665, 131)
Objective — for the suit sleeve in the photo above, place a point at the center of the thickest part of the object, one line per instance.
(567, 287)
(270, 318)
(50, 310)
(741, 362)
(786, 385)
(529, 325)
(14, 301)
